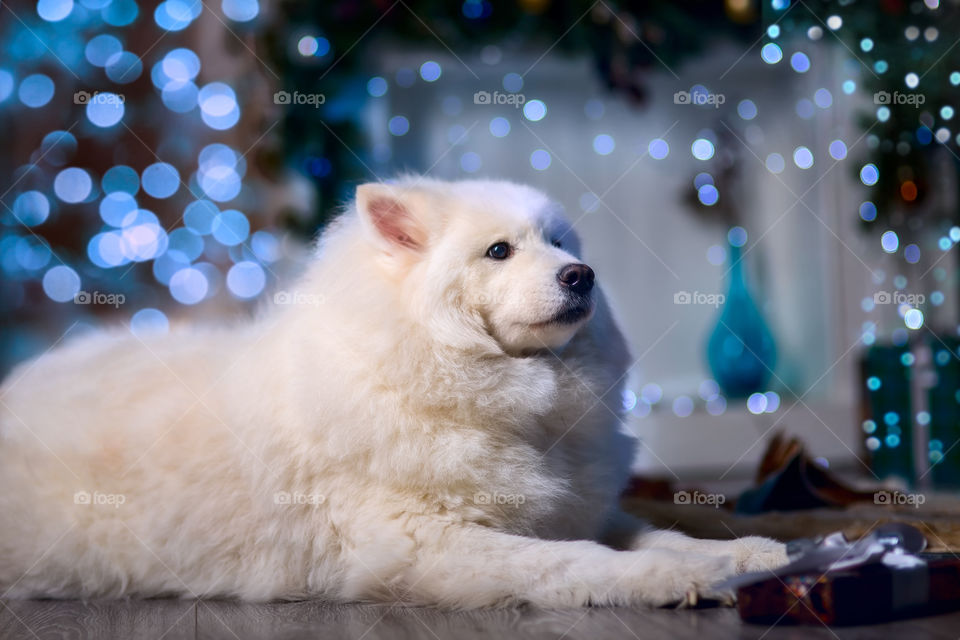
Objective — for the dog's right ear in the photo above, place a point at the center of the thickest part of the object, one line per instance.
(388, 212)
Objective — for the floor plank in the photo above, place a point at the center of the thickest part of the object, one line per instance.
(227, 620)
(106, 619)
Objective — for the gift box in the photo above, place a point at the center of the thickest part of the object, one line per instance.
(865, 594)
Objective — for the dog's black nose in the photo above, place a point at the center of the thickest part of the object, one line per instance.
(576, 277)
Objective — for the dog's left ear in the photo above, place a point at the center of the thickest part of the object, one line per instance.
(388, 212)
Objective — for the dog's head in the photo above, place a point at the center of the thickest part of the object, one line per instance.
(485, 256)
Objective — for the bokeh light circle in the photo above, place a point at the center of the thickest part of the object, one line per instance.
(61, 283)
(189, 286)
(72, 185)
(105, 109)
(100, 48)
(123, 67)
(246, 279)
(534, 110)
(160, 180)
(540, 159)
(54, 10)
(604, 144)
(36, 90)
(658, 149)
(230, 227)
(240, 10)
(702, 149)
(149, 321)
(31, 208)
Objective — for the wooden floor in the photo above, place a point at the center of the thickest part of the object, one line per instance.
(174, 619)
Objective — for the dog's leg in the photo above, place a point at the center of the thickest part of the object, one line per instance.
(752, 553)
(466, 566)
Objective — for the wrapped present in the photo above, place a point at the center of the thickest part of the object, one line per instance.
(883, 576)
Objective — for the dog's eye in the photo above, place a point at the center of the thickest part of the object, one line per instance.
(557, 244)
(499, 251)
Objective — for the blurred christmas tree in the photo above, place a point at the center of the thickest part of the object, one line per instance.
(911, 71)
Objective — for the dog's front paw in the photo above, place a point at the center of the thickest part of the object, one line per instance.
(754, 553)
(690, 578)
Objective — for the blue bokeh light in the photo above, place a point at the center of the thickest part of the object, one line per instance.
(838, 150)
(123, 67)
(802, 157)
(471, 162)
(800, 62)
(737, 236)
(120, 13)
(534, 110)
(540, 160)
(121, 178)
(708, 195)
(220, 183)
(246, 279)
(58, 147)
(199, 215)
(149, 321)
(116, 206)
(230, 227)
(72, 185)
(186, 242)
(747, 110)
(176, 15)
(240, 10)
(771, 53)
(218, 105)
(180, 96)
(189, 286)
(398, 125)
(430, 71)
(100, 48)
(6, 84)
(658, 149)
(180, 64)
(377, 86)
(265, 246)
(513, 82)
(889, 241)
(160, 180)
(105, 109)
(702, 149)
(36, 90)
(61, 283)
(54, 10)
(603, 144)
(500, 127)
(31, 208)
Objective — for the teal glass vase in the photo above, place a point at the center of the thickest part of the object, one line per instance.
(741, 350)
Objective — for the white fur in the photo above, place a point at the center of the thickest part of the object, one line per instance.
(406, 431)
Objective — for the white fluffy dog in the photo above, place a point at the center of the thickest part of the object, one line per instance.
(432, 418)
